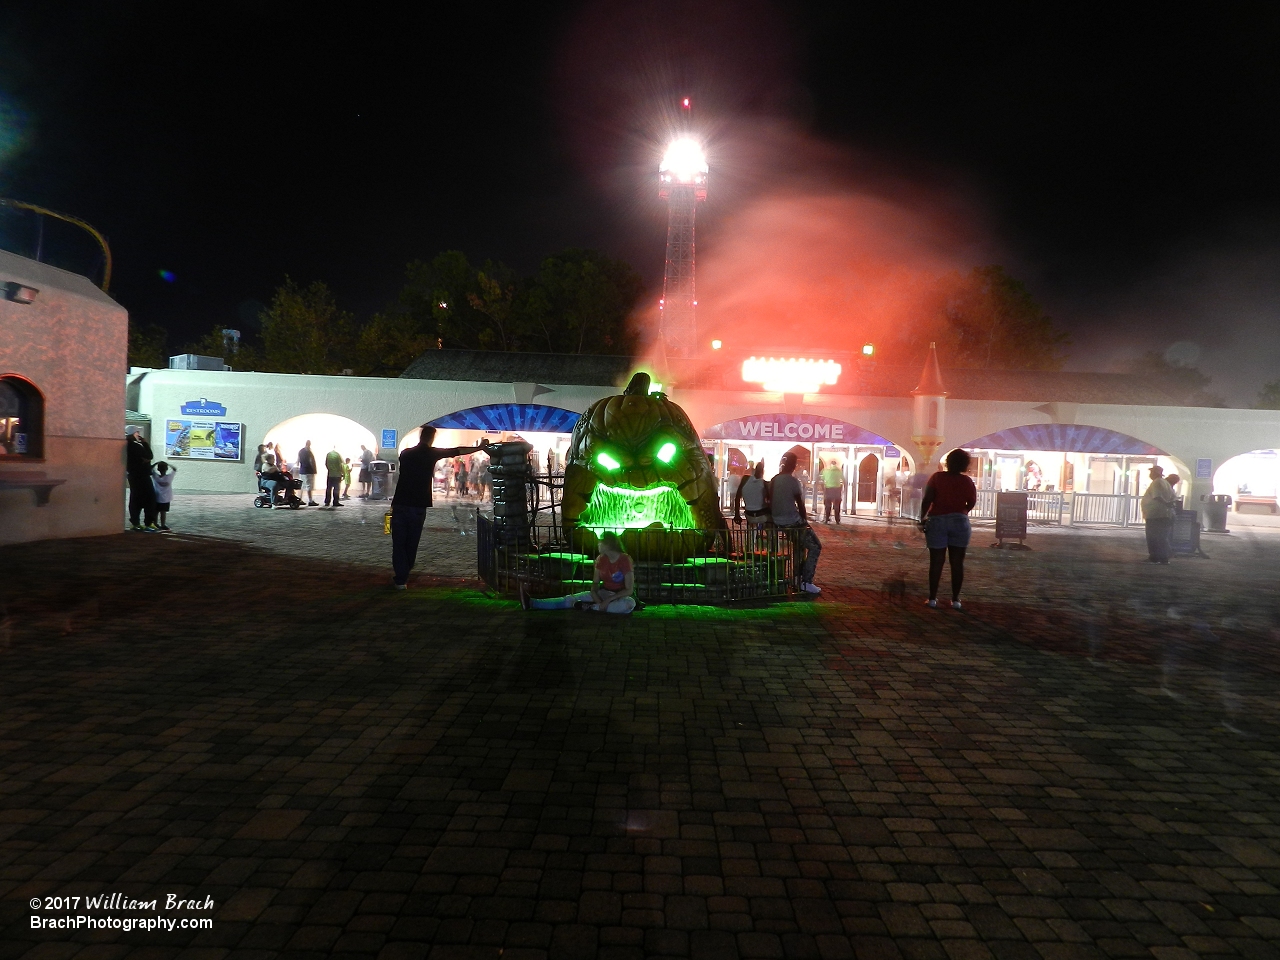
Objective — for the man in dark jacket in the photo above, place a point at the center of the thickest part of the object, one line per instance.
(413, 497)
(142, 495)
(307, 473)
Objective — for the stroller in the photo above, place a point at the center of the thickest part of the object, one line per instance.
(284, 496)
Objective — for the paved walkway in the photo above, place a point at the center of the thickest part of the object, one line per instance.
(1085, 764)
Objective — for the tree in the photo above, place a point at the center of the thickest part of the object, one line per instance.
(582, 301)
(146, 346)
(579, 301)
(496, 302)
(388, 343)
(437, 298)
(304, 331)
(984, 319)
(1269, 396)
(1183, 382)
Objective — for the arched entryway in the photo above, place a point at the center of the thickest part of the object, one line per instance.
(1082, 472)
(1252, 481)
(547, 428)
(326, 431)
(823, 445)
(868, 478)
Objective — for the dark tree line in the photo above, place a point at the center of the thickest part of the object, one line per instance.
(578, 301)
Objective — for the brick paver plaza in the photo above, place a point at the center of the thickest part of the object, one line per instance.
(1084, 764)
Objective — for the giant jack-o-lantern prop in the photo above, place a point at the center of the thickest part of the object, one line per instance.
(635, 463)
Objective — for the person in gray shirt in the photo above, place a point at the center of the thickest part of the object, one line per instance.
(787, 498)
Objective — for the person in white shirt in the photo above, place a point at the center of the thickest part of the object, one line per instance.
(162, 480)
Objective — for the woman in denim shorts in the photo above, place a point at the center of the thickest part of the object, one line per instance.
(944, 517)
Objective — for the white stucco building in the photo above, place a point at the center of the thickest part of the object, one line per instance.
(1067, 437)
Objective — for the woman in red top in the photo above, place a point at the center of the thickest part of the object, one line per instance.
(612, 586)
(944, 517)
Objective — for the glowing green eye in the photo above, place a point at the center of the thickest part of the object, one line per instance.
(667, 452)
(607, 461)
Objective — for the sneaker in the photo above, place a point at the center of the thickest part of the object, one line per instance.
(931, 604)
(402, 586)
(955, 605)
(524, 598)
(137, 527)
(312, 503)
(811, 588)
(150, 528)
(336, 505)
(164, 527)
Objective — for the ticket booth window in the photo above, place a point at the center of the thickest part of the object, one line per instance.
(21, 419)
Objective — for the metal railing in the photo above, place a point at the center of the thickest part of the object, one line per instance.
(737, 563)
(1116, 509)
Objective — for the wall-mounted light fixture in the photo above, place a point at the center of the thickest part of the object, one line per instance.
(18, 293)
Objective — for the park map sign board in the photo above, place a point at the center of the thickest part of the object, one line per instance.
(1011, 516)
(193, 439)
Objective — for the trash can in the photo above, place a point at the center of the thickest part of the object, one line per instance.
(1215, 513)
(380, 480)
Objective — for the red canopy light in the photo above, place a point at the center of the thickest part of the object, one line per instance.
(791, 375)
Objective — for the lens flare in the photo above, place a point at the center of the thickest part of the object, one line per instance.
(168, 276)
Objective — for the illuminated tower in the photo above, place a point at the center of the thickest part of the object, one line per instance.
(682, 182)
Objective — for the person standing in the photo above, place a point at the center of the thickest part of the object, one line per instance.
(142, 494)
(786, 497)
(413, 497)
(307, 473)
(1157, 513)
(257, 464)
(832, 490)
(944, 517)
(163, 483)
(752, 495)
(365, 476)
(346, 478)
(333, 478)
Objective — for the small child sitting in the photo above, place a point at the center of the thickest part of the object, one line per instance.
(611, 587)
(162, 480)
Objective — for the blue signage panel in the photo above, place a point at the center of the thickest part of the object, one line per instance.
(202, 440)
(1064, 438)
(803, 427)
(388, 439)
(1204, 469)
(892, 453)
(510, 417)
(203, 408)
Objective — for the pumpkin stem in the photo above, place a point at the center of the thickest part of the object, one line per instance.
(638, 387)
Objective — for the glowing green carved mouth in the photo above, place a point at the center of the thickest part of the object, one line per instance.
(622, 508)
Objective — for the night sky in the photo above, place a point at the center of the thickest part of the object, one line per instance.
(1124, 164)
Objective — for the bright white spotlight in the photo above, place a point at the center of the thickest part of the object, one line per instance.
(684, 162)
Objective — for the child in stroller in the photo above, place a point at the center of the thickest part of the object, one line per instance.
(276, 486)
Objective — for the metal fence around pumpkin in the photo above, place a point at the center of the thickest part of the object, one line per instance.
(742, 563)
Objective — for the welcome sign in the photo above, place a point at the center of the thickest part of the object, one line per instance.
(793, 426)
